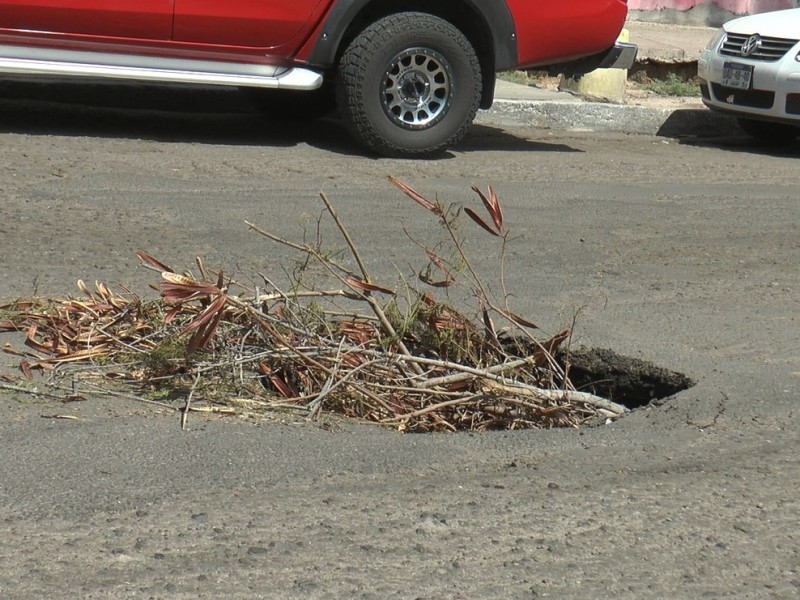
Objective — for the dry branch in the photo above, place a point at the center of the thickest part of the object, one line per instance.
(421, 366)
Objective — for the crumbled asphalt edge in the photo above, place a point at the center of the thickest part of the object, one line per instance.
(628, 381)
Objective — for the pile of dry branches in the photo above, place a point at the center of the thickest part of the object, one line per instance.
(356, 348)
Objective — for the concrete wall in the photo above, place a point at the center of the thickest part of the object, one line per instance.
(702, 12)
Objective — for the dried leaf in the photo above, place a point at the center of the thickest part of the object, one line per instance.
(277, 382)
(205, 324)
(185, 292)
(177, 279)
(79, 355)
(492, 204)
(424, 278)
(549, 347)
(200, 267)
(86, 291)
(8, 325)
(358, 332)
(517, 319)
(440, 264)
(211, 311)
(74, 398)
(171, 314)
(31, 341)
(474, 216)
(202, 336)
(25, 367)
(460, 386)
(487, 323)
(367, 287)
(416, 196)
(153, 263)
(112, 300)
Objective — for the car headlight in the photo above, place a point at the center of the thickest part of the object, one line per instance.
(716, 41)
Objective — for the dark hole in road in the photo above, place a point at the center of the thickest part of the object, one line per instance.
(628, 381)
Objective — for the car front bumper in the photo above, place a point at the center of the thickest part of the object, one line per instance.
(773, 93)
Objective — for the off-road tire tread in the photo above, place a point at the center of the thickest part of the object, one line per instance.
(352, 72)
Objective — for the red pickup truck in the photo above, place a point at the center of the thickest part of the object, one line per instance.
(407, 76)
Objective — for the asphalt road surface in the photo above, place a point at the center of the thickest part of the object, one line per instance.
(683, 253)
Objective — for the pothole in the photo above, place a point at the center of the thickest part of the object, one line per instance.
(622, 379)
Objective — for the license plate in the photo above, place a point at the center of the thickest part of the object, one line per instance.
(737, 75)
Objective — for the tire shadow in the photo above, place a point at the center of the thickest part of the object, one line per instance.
(193, 114)
(741, 142)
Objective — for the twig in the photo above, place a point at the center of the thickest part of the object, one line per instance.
(492, 374)
(370, 299)
(185, 413)
(316, 405)
(29, 391)
(304, 248)
(433, 408)
(347, 238)
(306, 294)
(467, 372)
(558, 395)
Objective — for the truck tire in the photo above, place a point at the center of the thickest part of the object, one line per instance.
(409, 86)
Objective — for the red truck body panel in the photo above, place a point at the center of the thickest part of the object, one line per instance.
(248, 23)
(144, 19)
(277, 31)
(553, 32)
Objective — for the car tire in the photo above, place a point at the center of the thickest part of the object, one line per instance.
(769, 131)
(409, 86)
(293, 105)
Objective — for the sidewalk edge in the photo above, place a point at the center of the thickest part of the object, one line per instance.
(612, 118)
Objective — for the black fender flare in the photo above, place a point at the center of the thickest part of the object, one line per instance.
(495, 13)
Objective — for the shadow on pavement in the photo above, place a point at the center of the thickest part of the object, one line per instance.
(740, 142)
(181, 113)
(708, 129)
(696, 122)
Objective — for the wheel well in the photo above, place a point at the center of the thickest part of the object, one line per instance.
(460, 14)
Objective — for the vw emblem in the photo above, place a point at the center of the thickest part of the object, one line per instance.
(750, 45)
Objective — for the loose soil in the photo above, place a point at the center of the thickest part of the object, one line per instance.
(631, 382)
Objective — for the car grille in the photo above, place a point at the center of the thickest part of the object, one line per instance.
(737, 97)
(770, 49)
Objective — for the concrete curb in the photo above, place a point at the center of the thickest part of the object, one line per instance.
(612, 118)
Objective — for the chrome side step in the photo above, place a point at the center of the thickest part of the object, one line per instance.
(17, 60)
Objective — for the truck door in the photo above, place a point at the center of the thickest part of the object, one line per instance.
(136, 19)
(248, 23)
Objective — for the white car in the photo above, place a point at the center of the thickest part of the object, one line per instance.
(751, 69)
